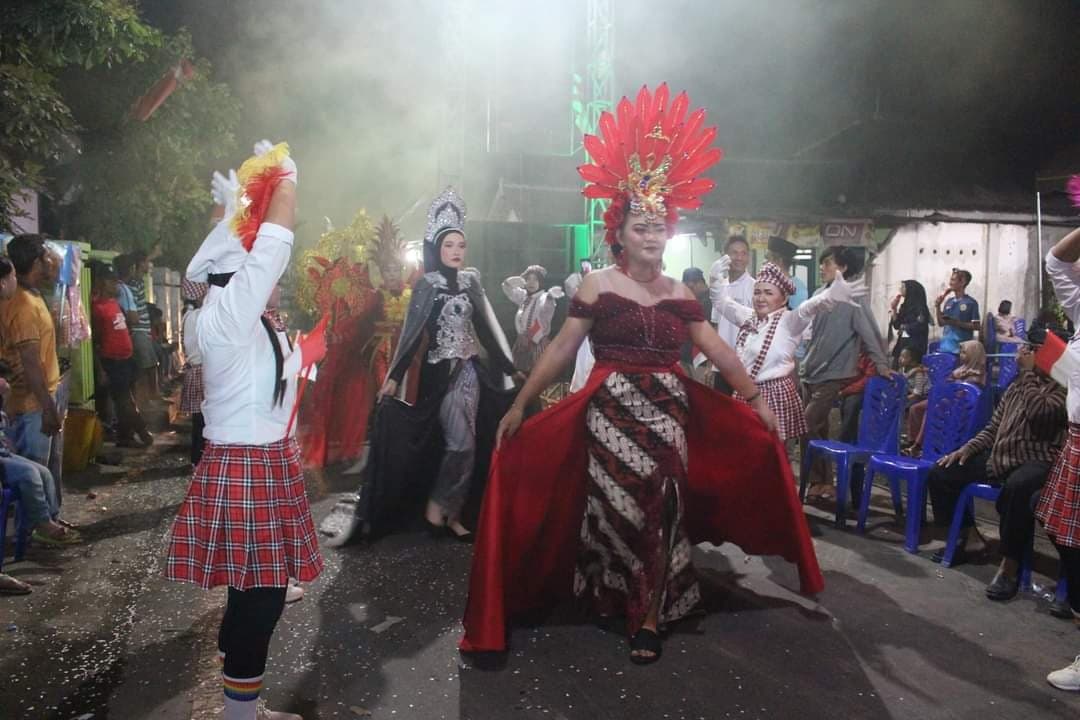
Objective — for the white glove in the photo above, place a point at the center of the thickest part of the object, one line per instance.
(718, 273)
(224, 190)
(515, 281)
(841, 291)
(264, 146)
(556, 292)
(572, 283)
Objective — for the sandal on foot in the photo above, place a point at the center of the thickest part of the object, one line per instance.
(13, 586)
(68, 538)
(646, 641)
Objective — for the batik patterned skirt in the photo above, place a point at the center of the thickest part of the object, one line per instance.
(245, 521)
(633, 544)
(1059, 504)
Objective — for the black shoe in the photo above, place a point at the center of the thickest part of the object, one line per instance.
(465, 537)
(646, 641)
(1061, 610)
(1003, 588)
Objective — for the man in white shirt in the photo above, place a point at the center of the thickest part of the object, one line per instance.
(740, 288)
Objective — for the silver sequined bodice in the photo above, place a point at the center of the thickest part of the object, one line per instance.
(454, 336)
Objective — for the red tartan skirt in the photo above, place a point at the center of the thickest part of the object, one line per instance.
(245, 521)
(1059, 505)
(191, 392)
(784, 400)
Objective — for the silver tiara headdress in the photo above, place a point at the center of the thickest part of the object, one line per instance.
(447, 212)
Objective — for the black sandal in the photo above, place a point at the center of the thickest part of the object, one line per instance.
(646, 641)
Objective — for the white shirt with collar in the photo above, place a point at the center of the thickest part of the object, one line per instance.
(742, 292)
(237, 356)
(780, 357)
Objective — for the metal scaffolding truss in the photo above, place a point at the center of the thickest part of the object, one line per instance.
(600, 85)
(454, 31)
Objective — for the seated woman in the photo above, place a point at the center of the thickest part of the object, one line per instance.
(601, 497)
(970, 368)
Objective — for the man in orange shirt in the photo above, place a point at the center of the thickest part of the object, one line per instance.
(29, 344)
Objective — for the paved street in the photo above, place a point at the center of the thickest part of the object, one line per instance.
(893, 635)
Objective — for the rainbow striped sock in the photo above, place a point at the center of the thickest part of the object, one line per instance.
(241, 695)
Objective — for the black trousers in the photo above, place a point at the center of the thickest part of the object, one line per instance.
(121, 375)
(198, 422)
(246, 629)
(1070, 569)
(1016, 521)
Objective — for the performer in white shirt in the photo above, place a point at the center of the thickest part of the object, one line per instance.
(584, 360)
(536, 308)
(245, 521)
(740, 288)
(769, 334)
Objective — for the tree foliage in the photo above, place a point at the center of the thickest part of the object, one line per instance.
(70, 71)
(140, 184)
(39, 39)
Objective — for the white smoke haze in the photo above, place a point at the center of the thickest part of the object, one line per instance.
(357, 87)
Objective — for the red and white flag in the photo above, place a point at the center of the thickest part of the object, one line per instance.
(1054, 359)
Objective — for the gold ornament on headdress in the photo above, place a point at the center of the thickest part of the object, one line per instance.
(334, 268)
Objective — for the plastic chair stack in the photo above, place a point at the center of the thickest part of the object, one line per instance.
(950, 422)
(938, 367)
(879, 432)
(8, 497)
(1020, 328)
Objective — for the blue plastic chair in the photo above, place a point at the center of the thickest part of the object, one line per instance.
(938, 366)
(1020, 328)
(951, 415)
(1007, 369)
(8, 497)
(879, 432)
(965, 505)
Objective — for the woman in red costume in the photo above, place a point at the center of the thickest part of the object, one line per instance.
(609, 515)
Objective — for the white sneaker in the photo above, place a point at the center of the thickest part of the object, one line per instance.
(294, 593)
(1067, 678)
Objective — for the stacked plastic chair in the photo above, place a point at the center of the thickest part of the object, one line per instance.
(8, 497)
(938, 367)
(1020, 328)
(879, 432)
(950, 422)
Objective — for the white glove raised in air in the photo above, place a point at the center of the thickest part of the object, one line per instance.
(718, 273)
(224, 191)
(264, 146)
(841, 291)
(556, 292)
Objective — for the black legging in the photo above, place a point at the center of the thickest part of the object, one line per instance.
(1070, 569)
(246, 629)
(198, 422)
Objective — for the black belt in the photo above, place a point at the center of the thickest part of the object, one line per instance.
(219, 279)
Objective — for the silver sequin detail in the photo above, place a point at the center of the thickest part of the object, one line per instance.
(446, 211)
(454, 338)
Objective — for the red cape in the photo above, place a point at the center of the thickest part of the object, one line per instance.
(740, 490)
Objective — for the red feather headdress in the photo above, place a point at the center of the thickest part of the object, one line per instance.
(258, 176)
(649, 158)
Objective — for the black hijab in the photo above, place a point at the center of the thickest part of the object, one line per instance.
(433, 258)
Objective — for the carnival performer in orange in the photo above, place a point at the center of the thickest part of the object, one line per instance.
(601, 497)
